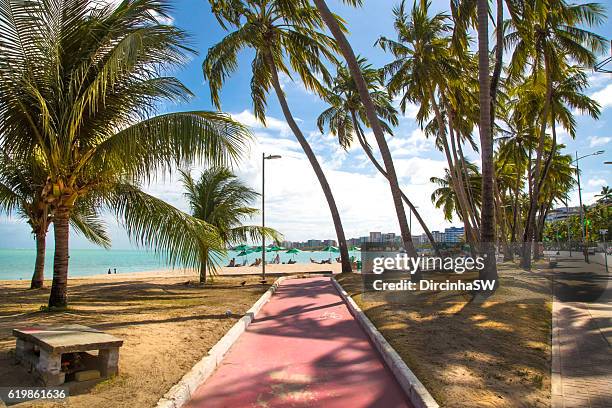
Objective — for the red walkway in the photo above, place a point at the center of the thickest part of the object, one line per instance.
(304, 350)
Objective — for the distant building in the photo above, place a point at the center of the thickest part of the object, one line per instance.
(329, 242)
(388, 237)
(375, 237)
(438, 236)
(287, 244)
(562, 213)
(453, 234)
(314, 243)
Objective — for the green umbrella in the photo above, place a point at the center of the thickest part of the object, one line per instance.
(293, 251)
(274, 248)
(354, 248)
(241, 248)
(331, 249)
(245, 253)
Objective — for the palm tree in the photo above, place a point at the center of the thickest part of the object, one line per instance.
(337, 31)
(445, 196)
(605, 195)
(546, 36)
(20, 193)
(80, 84)
(222, 201)
(487, 214)
(422, 68)
(346, 116)
(277, 31)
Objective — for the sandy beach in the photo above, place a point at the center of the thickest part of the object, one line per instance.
(271, 270)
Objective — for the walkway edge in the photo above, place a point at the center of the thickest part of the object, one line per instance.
(414, 389)
(181, 392)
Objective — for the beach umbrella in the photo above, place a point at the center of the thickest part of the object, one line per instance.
(241, 248)
(354, 248)
(245, 253)
(293, 251)
(331, 249)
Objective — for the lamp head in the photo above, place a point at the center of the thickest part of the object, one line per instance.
(599, 152)
(273, 156)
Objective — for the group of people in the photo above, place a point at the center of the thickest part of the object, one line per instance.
(232, 263)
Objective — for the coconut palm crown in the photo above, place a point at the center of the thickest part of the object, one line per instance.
(81, 83)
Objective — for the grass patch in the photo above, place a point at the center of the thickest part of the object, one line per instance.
(166, 324)
(496, 353)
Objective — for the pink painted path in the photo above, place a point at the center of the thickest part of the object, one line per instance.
(305, 349)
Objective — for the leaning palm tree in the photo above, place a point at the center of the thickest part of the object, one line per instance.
(279, 32)
(20, 193)
(221, 200)
(80, 84)
(335, 27)
(346, 116)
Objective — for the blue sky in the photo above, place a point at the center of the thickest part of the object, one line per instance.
(294, 202)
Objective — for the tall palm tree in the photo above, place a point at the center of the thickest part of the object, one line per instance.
(20, 193)
(337, 31)
(421, 73)
(487, 214)
(279, 32)
(547, 36)
(80, 84)
(346, 116)
(222, 201)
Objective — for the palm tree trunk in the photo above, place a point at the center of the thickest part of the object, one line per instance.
(61, 228)
(499, 53)
(487, 224)
(38, 278)
(344, 255)
(368, 151)
(364, 94)
(455, 183)
(530, 226)
(203, 272)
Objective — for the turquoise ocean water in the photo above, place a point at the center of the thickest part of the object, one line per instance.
(18, 264)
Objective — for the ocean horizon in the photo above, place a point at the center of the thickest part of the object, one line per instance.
(18, 264)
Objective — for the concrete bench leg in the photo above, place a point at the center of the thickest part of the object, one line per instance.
(49, 368)
(22, 349)
(109, 361)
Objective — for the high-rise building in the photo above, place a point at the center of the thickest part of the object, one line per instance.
(453, 234)
(376, 237)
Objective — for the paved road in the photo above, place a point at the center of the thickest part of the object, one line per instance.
(305, 349)
(582, 332)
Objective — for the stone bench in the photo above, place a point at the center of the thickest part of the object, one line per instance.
(53, 341)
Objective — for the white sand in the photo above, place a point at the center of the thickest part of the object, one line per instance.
(243, 270)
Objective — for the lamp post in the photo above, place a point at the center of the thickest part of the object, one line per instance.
(583, 226)
(263, 211)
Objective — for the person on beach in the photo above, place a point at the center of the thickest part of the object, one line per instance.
(109, 271)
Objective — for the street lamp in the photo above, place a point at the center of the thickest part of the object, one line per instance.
(263, 211)
(583, 227)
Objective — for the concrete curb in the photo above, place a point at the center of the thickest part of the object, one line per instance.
(181, 392)
(414, 389)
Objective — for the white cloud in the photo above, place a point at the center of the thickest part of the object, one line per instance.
(599, 141)
(414, 144)
(598, 182)
(247, 118)
(604, 97)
